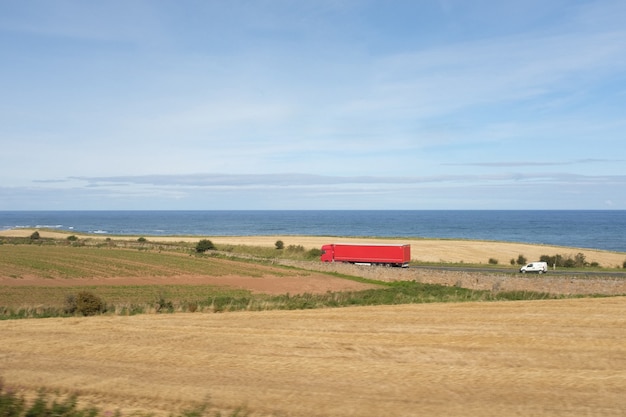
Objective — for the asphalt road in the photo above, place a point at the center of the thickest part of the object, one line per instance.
(559, 272)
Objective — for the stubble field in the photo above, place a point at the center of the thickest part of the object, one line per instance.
(539, 358)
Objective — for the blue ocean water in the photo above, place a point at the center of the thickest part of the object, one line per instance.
(597, 229)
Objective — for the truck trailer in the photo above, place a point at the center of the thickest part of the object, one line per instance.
(367, 254)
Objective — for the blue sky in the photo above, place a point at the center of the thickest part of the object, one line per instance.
(327, 104)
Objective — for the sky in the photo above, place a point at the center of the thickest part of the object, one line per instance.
(321, 104)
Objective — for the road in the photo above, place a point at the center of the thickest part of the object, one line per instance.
(560, 272)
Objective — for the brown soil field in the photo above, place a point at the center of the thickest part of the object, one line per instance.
(310, 284)
(528, 358)
(423, 250)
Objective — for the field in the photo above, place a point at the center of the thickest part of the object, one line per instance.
(557, 357)
(539, 358)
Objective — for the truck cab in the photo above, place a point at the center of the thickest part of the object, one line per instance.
(327, 253)
(538, 267)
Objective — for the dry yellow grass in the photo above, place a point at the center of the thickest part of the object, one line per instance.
(424, 250)
(540, 358)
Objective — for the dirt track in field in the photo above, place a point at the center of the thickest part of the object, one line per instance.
(539, 358)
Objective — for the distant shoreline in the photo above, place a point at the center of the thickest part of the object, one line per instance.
(601, 230)
(422, 249)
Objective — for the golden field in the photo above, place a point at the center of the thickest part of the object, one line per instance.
(526, 358)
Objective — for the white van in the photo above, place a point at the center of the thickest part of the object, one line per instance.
(539, 267)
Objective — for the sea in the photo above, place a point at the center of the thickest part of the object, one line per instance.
(594, 229)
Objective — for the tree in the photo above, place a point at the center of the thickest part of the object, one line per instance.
(204, 245)
(279, 244)
(521, 260)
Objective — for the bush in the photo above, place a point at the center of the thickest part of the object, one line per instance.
(164, 306)
(35, 236)
(295, 248)
(578, 261)
(521, 260)
(204, 245)
(279, 244)
(142, 240)
(70, 304)
(569, 263)
(314, 253)
(10, 404)
(493, 261)
(50, 404)
(89, 304)
(72, 238)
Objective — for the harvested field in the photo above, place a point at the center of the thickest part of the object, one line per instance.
(539, 358)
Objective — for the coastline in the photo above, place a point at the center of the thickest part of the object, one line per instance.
(422, 250)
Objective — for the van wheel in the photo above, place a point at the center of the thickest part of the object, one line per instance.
(541, 272)
(523, 272)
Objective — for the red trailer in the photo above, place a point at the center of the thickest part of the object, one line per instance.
(367, 254)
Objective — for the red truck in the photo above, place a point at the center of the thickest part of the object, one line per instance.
(367, 254)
